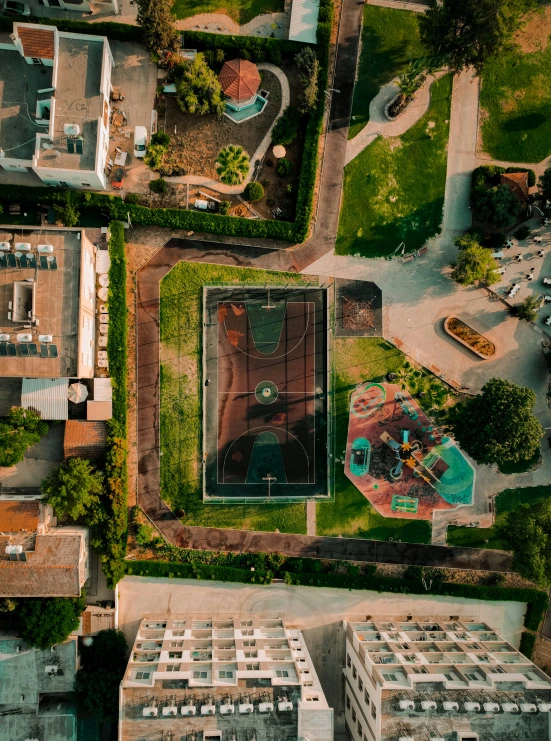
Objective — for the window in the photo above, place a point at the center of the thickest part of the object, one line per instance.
(366, 698)
(84, 185)
(174, 654)
(176, 644)
(473, 676)
(389, 677)
(245, 623)
(354, 673)
(348, 702)
(178, 632)
(348, 662)
(143, 675)
(251, 654)
(373, 712)
(225, 674)
(282, 673)
(360, 728)
(247, 632)
(360, 684)
(252, 667)
(249, 643)
(199, 675)
(36, 60)
(420, 670)
(353, 715)
(173, 668)
(178, 623)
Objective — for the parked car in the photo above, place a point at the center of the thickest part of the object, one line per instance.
(118, 178)
(140, 141)
(12, 7)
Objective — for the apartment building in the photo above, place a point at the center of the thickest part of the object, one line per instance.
(446, 679)
(56, 125)
(223, 678)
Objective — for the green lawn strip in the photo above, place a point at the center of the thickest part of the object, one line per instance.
(390, 39)
(515, 96)
(181, 391)
(242, 11)
(394, 189)
(505, 502)
(351, 515)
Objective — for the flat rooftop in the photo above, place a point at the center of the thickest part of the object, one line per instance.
(19, 85)
(77, 101)
(56, 304)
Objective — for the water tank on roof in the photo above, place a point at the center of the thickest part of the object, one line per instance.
(406, 705)
(14, 549)
(71, 129)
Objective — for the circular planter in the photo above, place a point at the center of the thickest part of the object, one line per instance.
(470, 338)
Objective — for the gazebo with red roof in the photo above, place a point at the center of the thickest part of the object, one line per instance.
(239, 80)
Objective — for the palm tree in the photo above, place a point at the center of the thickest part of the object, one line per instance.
(232, 165)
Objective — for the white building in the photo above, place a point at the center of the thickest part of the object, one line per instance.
(412, 679)
(220, 678)
(58, 86)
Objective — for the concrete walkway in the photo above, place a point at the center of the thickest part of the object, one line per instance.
(260, 150)
(379, 125)
(311, 517)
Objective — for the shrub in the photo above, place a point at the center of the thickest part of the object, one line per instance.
(224, 207)
(527, 641)
(284, 167)
(132, 198)
(529, 308)
(154, 156)
(285, 130)
(254, 191)
(161, 138)
(232, 165)
(522, 232)
(244, 54)
(159, 186)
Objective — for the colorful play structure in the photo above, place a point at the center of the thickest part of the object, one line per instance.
(360, 456)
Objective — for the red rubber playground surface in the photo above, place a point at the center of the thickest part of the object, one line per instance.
(266, 385)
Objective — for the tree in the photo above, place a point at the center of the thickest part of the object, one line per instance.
(254, 191)
(498, 425)
(156, 21)
(197, 88)
(529, 308)
(469, 32)
(545, 184)
(232, 165)
(308, 72)
(284, 167)
(475, 263)
(527, 529)
(74, 489)
(45, 622)
(67, 211)
(159, 186)
(496, 206)
(103, 667)
(18, 431)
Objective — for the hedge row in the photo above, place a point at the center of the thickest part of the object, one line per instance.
(114, 31)
(197, 571)
(527, 641)
(118, 320)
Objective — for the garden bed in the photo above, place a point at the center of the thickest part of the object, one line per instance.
(469, 337)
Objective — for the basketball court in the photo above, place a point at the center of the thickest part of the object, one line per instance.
(265, 393)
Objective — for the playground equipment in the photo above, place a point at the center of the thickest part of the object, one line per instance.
(367, 399)
(405, 406)
(405, 454)
(360, 455)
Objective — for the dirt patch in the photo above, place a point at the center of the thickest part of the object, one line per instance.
(535, 34)
(197, 140)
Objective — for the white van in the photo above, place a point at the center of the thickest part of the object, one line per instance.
(140, 141)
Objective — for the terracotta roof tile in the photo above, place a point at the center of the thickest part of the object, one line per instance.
(517, 182)
(239, 79)
(37, 42)
(16, 516)
(51, 569)
(84, 439)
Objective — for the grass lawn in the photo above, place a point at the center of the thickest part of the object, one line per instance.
(515, 97)
(394, 189)
(351, 515)
(242, 11)
(506, 501)
(390, 39)
(181, 444)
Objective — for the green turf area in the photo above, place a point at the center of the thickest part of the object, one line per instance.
(242, 11)
(390, 39)
(181, 444)
(351, 515)
(488, 537)
(515, 97)
(394, 189)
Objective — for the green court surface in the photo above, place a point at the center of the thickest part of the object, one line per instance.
(404, 504)
(266, 321)
(266, 463)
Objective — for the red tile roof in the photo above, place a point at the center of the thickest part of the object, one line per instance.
(239, 79)
(51, 569)
(37, 42)
(84, 439)
(19, 516)
(517, 182)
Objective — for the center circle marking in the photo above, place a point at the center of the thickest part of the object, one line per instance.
(266, 392)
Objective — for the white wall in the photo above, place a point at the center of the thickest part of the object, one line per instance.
(86, 318)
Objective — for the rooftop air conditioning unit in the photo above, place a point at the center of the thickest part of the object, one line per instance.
(5, 246)
(450, 705)
(284, 706)
(22, 246)
(227, 709)
(71, 129)
(149, 711)
(266, 707)
(428, 705)
(405, 738)
(14, 549)
(188, 709)
(491, 707)
(544, 707)
(170, 710)
(246, 708)
(509, 707)
(406, 705)
(45, 248)
(528, 707)
(208, 709)
(472, 707)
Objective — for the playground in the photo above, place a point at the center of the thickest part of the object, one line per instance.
(398, 459)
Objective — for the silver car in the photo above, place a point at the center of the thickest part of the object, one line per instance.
(12, 7)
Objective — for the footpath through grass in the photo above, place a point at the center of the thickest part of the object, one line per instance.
(181, 400)
(488, 537)
(515, 98)
(394, 189)
(351, 515)
(390, 39)
(242, 11)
